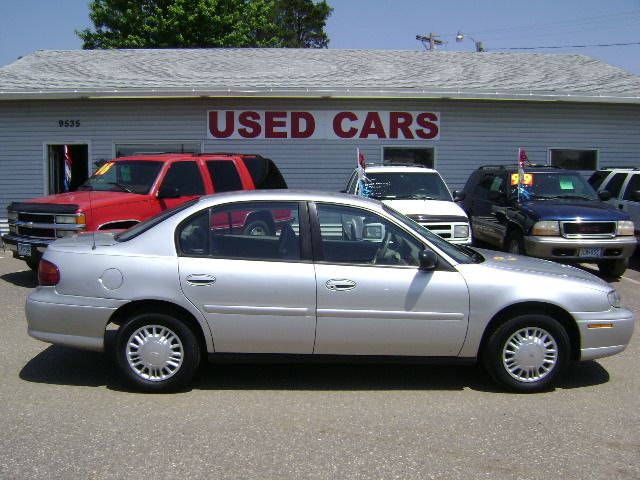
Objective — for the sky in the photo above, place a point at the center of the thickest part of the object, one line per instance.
(501, 26)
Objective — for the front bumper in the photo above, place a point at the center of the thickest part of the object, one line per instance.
(604, 333)
(26, 247)
(67, 320)
(571, 249)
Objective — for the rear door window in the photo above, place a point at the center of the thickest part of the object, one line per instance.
(224, 176)
(632, 186)
(615, 184)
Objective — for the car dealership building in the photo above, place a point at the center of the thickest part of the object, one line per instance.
(309, 110)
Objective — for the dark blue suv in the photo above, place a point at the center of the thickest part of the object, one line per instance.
(550, 213)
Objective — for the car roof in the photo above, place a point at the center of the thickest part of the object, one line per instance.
(398, 169)
(163, 157)
(528, 168)
(291, 195)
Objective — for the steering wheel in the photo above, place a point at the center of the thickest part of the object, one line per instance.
(382, 252)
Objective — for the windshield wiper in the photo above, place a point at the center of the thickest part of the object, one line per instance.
(475, 256)
(120, 186)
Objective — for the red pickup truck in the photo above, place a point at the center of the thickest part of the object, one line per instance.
(127, 190)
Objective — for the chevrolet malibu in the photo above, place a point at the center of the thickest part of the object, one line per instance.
(338, 276)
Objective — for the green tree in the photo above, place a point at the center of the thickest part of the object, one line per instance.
(301, 23)
(205, 23)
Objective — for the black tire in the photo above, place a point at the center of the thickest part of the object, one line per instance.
(33, 263)
(527, 353)
(157, 352)
(515, 244)
(613, 268)
(257, 228)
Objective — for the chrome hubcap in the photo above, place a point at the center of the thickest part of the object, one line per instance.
(530, 354)
(154, 353)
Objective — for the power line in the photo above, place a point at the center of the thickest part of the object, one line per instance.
(568, 46)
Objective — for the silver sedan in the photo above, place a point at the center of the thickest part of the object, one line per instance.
(326, 277)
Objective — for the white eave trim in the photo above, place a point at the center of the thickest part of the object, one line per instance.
(132, 93)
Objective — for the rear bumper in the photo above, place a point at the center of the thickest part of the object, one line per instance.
(569, 249)
(70, 321)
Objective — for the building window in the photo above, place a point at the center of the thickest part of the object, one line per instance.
(127, 149)
(408, 156)
(574, 159)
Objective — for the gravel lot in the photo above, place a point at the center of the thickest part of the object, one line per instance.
(65, 413)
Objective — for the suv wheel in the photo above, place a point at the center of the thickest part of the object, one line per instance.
(613, 268)
(527, 352)
(515, 243)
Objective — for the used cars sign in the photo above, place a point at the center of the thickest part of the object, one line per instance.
(323, 124)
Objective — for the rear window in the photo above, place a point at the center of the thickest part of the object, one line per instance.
(264, 173)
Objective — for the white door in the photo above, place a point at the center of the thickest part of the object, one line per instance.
(255, 291)
(373, 299)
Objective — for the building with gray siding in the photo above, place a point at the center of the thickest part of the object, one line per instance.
(309, 110)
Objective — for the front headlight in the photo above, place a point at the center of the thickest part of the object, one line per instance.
(461, 231)
(546, 228)
(614, 299)
(625, 227)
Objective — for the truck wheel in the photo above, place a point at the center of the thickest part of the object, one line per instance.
(515, 244)
(527, 353)
(613, 268)
(157, 352)
(33, 263)
(257, 228)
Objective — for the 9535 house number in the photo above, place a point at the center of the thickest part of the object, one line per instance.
(69, 123)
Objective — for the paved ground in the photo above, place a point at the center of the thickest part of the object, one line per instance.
(66, 414)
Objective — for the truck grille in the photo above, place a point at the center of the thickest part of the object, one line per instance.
(588, 229)
(38, 220)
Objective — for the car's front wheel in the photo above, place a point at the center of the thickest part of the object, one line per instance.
(157, 352)
(527, 352)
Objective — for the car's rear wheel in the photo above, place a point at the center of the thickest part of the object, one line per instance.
(527, 353)
(613, 268)
(257, 228)
(157, 352)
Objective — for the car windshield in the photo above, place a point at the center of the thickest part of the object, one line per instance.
(551, 186)
(459, 253)
(131, 176)
(406, 185)
(151, 222)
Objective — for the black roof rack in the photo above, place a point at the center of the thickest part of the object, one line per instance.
(620, 167)
(510, 167)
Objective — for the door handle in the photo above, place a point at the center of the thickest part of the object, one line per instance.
(340, 285)
(201, 280)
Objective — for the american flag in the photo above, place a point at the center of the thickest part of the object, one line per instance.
(67, 168)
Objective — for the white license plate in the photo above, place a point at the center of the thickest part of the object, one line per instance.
(24, 250)
(590, 252)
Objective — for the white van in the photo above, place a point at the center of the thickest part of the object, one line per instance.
(420, 194)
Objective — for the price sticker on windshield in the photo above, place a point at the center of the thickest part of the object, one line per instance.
(527, 179)
(104, 169)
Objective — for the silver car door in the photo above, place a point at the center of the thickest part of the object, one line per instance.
(373, 299)
(255, 291)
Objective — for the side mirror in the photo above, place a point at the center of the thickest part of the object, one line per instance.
(428, 260)
(604, 195)
(373, 231)
(458, 196)
(168, 192)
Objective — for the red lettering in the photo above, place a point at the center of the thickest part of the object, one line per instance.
(373, 126)
(337, 125)
(427, 121)
(296, 128)
(400, 122)
(228, 126)
(273, 120)
(250, 120)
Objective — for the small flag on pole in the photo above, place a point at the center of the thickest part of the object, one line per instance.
(67, 168)
(361, 172)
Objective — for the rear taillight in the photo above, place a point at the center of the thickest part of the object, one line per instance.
(48, 274)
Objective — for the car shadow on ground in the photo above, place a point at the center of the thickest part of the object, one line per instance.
(23, 279)
(67, 366)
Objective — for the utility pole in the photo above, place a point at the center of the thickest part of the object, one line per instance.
(430, 42)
